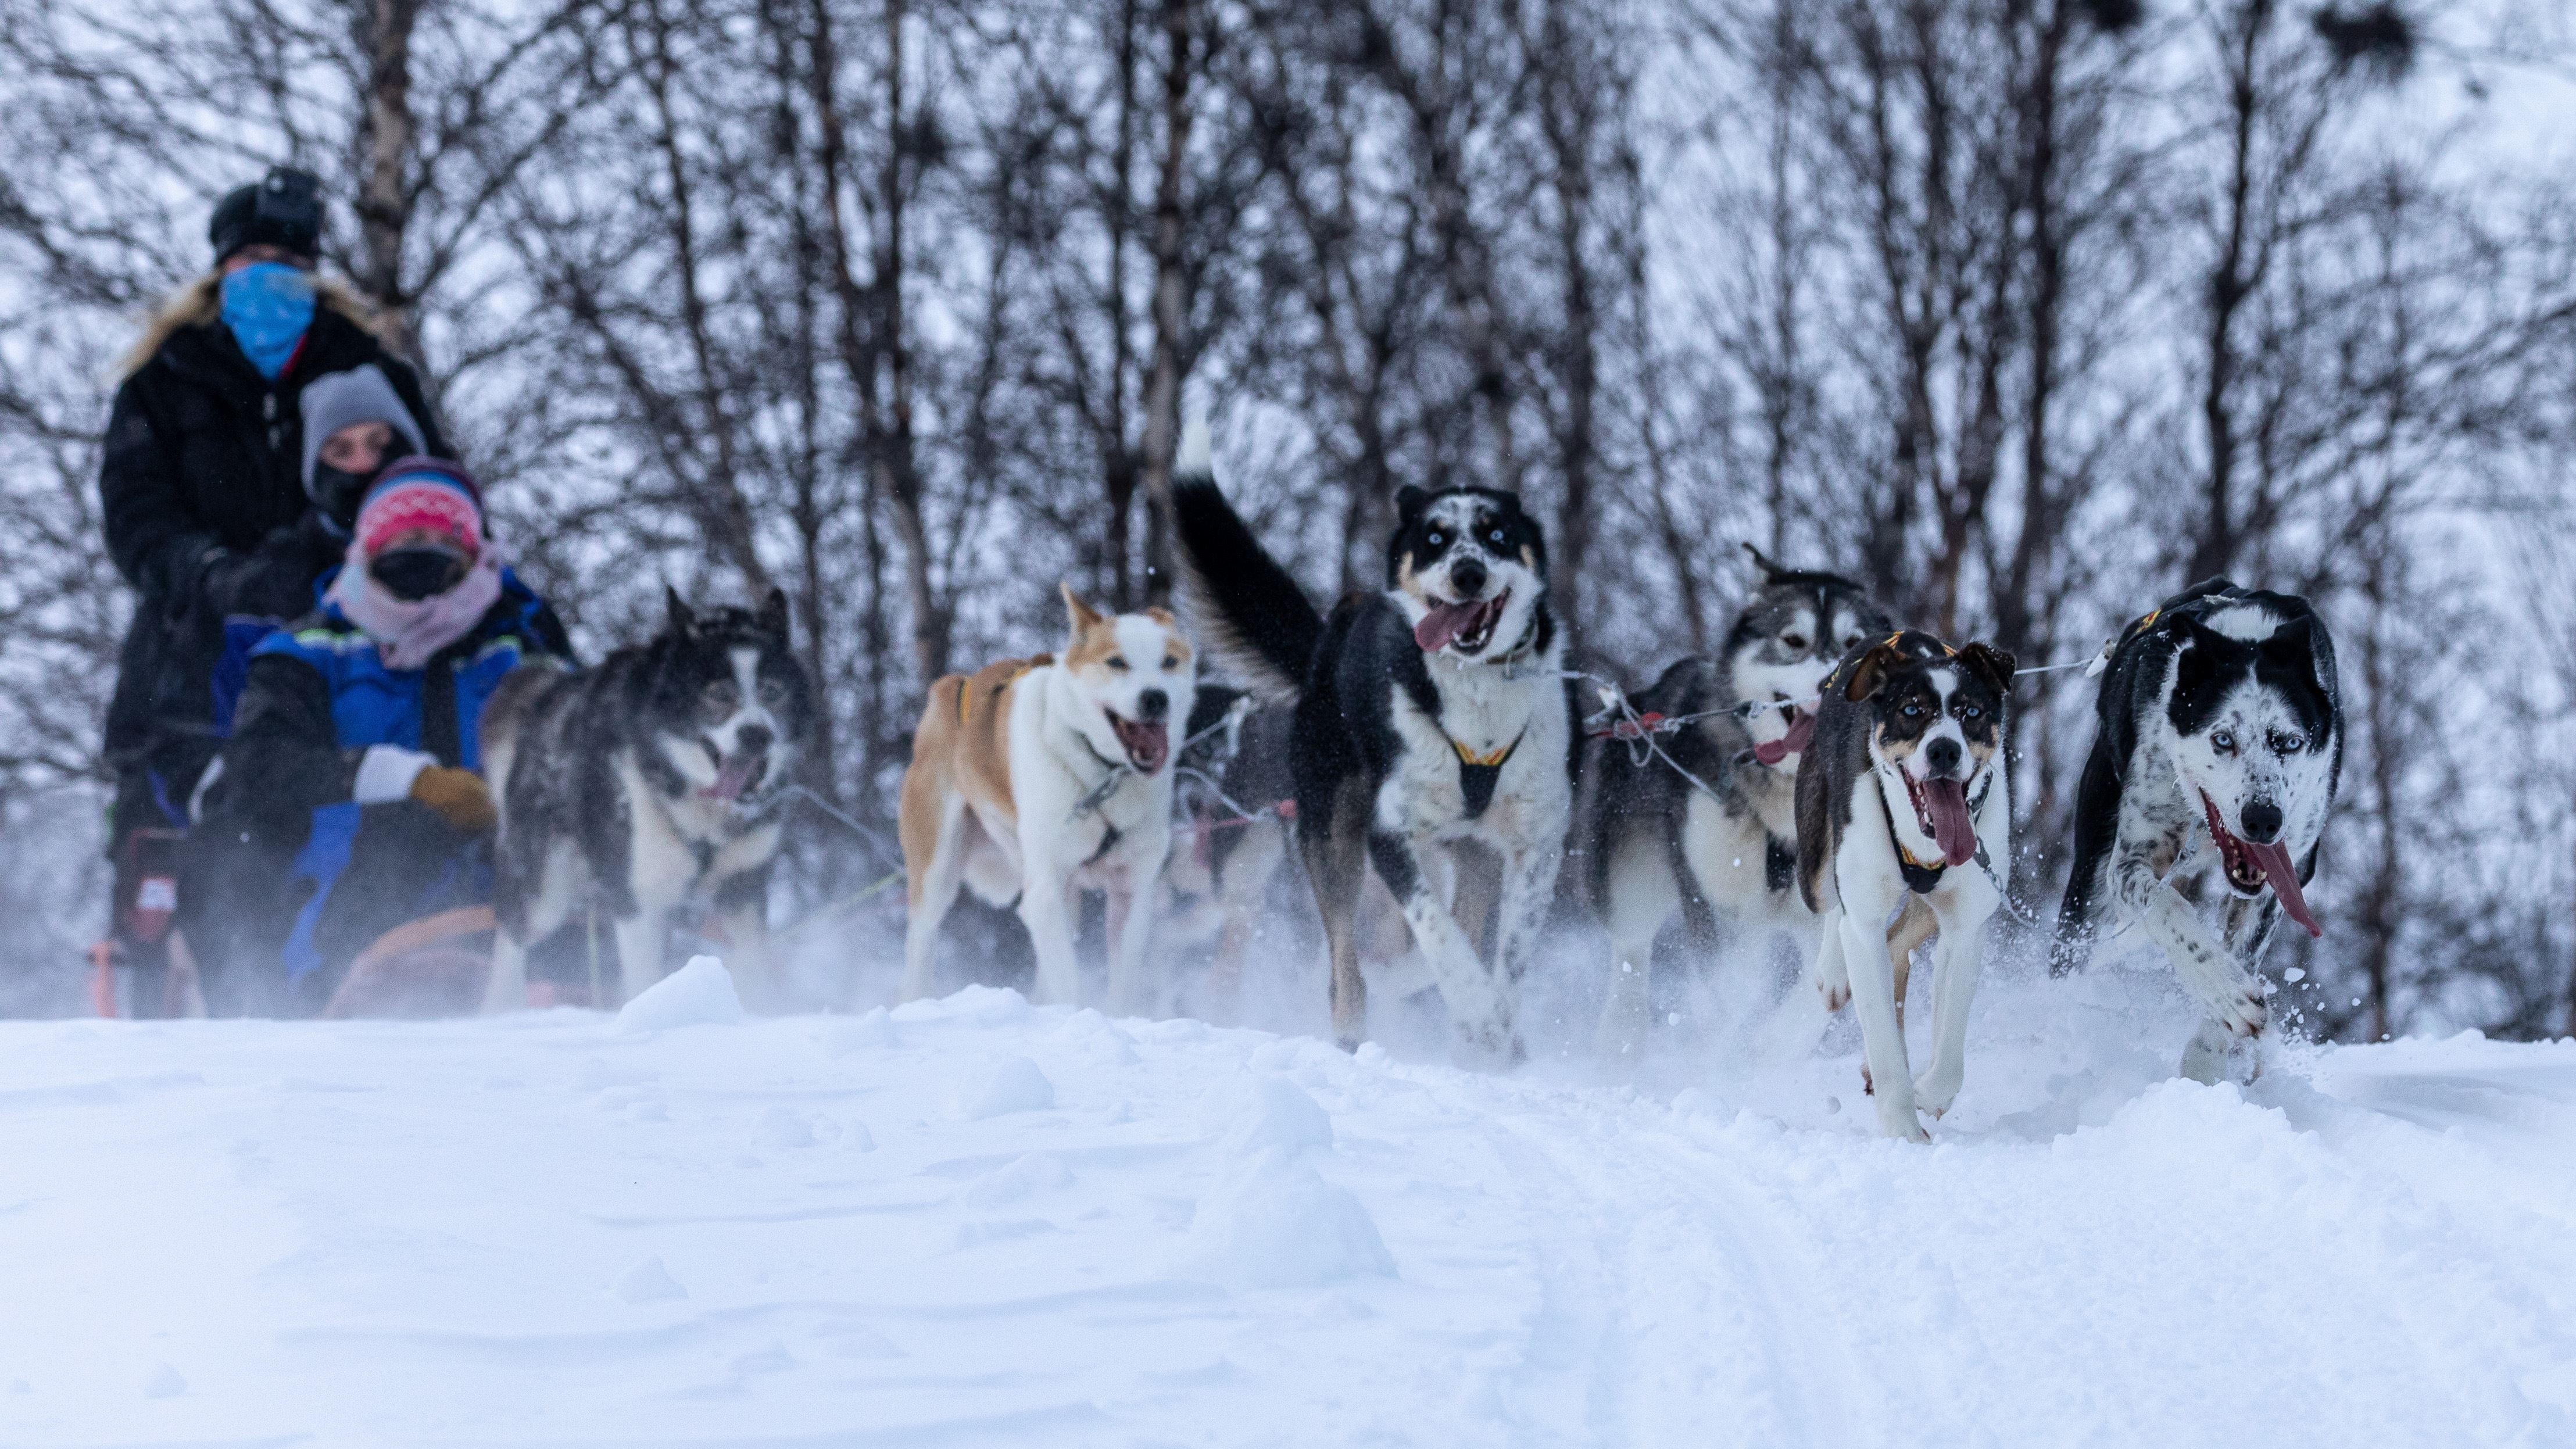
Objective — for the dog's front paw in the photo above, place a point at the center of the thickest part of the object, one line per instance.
(1898, 1121)
(2240, 1008)
(1934, 1091)
(1837, 994)
(1492, 1043)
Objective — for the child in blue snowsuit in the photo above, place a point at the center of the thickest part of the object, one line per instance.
(350, 800)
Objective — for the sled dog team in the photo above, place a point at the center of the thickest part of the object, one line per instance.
(1827, 776)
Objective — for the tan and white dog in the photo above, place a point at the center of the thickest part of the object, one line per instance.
(1035, 778)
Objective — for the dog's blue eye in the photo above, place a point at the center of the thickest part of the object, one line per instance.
(1969, 711)
(2223, 742)
(1496, 535)
(1435, 540)
(1914, 711)
(2285, 743)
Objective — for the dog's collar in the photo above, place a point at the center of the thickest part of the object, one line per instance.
(1514, 662)
(1092, 798)
(1920, 878)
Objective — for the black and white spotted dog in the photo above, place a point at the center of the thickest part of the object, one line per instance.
(1904, 805)
(1428, 715)
(2219, 723)
(1725, 857)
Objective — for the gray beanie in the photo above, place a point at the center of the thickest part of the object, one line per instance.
(336, 400)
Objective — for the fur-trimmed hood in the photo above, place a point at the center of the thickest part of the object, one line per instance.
(201, 302)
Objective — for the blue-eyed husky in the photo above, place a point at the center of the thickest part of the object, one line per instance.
(2220, 723)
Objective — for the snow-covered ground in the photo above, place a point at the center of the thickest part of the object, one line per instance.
(973, 1221)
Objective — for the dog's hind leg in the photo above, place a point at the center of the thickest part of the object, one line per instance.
(1479, 1008)
(640, 941)
(742, 908)
(1641, 895)
(1913, 926)
(1243, 884)
(1335, 846)
(934, 862)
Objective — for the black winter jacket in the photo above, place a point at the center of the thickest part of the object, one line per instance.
(203, 494)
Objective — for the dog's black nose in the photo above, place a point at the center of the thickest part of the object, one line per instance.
(752, 739)
(1944, 755)
(1467, 576)
(2262, 821)
(1152, 705)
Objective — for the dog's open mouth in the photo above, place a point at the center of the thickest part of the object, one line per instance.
(1147, 745)
(1467, 627)
(1802, 728)
(2251, 866)
(1941, 809)
(738, 777)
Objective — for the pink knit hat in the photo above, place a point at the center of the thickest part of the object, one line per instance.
(422, 495)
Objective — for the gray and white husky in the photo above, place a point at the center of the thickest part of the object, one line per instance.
(655, 778)
(1725, 856)
(2220, 724)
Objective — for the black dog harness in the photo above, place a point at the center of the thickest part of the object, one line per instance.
(1479, 773)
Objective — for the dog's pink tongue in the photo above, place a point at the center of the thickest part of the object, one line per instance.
(732, 779)
(1946, 801)
(1442, 625)
(2274, 859)
(1802, 728)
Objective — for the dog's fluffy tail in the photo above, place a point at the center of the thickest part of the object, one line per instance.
(1245, 609)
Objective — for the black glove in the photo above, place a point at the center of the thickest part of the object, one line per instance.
(275, 582)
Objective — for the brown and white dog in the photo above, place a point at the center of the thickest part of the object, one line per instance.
(1034, 778)
(1903, 801)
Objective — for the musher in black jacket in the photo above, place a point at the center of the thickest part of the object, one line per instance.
(207, 516)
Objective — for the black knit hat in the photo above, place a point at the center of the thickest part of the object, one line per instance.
(282, 209)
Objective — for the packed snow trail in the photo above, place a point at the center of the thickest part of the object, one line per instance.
(977, 1222)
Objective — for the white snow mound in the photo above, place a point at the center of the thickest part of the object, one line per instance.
(1274, 1222)
(1014, 1085)
(1251, 1114)
(698, 994)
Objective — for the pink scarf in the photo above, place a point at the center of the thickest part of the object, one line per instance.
(409, 633)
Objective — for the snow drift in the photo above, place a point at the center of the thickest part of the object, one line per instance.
(973, 1221)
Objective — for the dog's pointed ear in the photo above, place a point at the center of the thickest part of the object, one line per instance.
(1081, 615)
(2303, 644)
(1770, 571)
(773, 614)
(1409, 503)
(1990, 664)
(683, 619)
(1863, 676)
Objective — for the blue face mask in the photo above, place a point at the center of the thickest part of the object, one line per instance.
(268, 305)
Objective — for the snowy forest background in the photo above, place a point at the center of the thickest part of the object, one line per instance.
(2026, 311)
